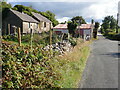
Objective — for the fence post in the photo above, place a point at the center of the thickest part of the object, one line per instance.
(19, 36)
(31, 36)
(8, 29)
(50, 38)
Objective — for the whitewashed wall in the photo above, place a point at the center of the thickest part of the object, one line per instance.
(27, 26)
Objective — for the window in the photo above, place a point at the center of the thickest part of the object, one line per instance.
(29, 25)
(44, 24)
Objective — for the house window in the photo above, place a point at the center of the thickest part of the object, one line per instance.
(44, 24)
(29, 25)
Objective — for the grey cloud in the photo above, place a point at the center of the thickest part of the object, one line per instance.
(61, 9)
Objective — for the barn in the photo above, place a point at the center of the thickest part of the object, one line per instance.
(85, 30)
(61, 29)
(16, 19)
(44, 23)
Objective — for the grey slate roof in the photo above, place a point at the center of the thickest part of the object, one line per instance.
(24, 17)
(41, 18)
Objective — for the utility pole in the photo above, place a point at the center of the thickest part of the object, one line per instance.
(117, 23)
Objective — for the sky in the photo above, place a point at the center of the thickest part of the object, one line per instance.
(66, 9)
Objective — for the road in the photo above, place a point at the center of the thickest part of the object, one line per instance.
(101, 69)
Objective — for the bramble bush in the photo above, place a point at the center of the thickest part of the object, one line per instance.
(25, 69)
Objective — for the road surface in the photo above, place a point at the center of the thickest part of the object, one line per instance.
(101, 70)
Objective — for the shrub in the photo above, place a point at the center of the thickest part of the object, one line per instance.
(10, 37)
(25, 69)
(73, 41)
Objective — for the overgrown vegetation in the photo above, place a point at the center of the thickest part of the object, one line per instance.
(38, 39)
(25, 69)
(39, 69)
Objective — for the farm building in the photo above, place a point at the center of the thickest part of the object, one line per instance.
(44, 23)
(85, 30)
(61, 28)
(16, 19)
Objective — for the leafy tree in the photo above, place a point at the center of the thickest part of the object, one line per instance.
(24, 9)
(97, 25)
(75, 19)
(96, 29)
(5, 7)
(109, 22)
(72, 27)
(51, 17)
(92, 21)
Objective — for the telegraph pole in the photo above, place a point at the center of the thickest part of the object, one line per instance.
(117, 23)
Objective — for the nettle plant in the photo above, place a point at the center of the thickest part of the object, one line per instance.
(25, 69)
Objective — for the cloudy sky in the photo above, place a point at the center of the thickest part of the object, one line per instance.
(66, 9)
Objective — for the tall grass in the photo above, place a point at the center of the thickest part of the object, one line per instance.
(73, 65)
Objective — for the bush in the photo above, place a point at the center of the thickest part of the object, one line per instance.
(73, 41)
(25, 69)
(10, 38)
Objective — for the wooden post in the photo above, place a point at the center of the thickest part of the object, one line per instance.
(50, 38)
(31, 36)
(68, 36)
(19, 36)
(8, 29)
(62, 37)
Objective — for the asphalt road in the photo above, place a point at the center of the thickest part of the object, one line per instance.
(101, 70)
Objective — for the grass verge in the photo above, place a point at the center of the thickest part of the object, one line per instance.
(73, 65)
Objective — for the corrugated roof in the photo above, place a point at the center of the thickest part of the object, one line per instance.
(41, 18)
(86, 26)
(61, 26)
(64, 26)
(24, 17)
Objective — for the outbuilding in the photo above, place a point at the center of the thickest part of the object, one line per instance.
(17, 19)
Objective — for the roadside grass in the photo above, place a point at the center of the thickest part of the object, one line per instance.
(74, 64)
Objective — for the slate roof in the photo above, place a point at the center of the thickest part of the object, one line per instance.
(41, 18)
(24, 17)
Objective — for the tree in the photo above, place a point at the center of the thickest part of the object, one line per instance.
(82, 21)
(109, 22)
(72, 27)
(92, 21)
(5, 8)
(51, 17)
(97, 25)
(96, 29)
